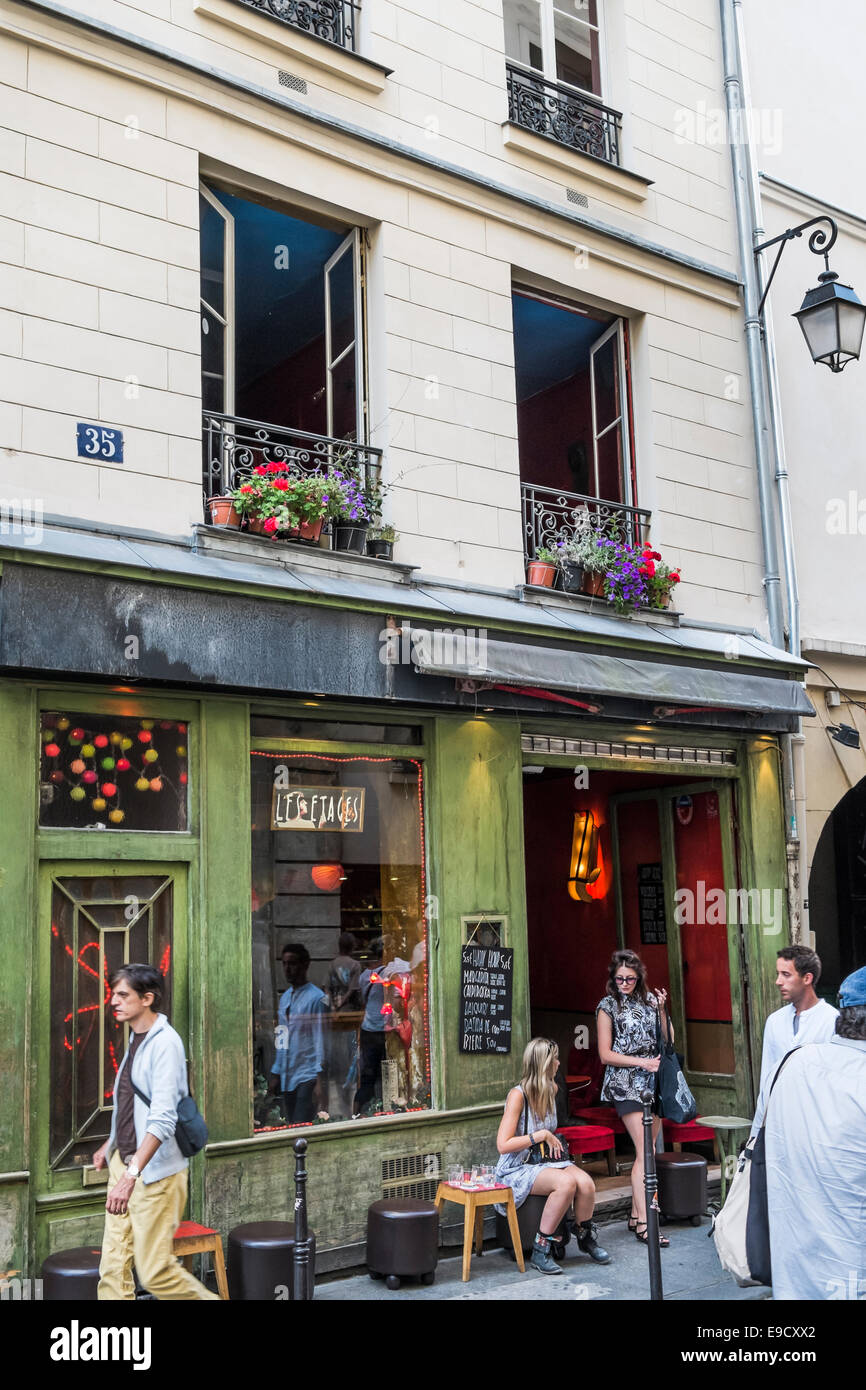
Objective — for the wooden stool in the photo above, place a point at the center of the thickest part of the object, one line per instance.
(191, 1239)
(473, 1204)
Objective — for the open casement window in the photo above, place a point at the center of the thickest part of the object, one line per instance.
(217, 304)
(611, 450)
(343, 275)
(557, 38)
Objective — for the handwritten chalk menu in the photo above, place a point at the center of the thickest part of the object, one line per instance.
(486, 974)
(651, 905)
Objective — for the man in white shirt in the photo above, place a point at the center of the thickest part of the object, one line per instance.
(803, 1017)
(816, 1162)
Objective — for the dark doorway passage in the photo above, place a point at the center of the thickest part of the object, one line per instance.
(837, 891)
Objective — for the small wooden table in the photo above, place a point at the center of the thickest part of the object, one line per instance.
(473, 1201)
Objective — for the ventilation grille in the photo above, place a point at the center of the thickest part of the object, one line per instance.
(574, 197)
(646, 752)
(412, 1175)
(297, 84)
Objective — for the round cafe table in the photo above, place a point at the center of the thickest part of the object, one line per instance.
(725, 1126)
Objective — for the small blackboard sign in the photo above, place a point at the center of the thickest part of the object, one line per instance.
(486, 975)
(651, 905)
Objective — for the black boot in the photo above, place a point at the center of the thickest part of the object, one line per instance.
(588, 1242)
(540, 1258)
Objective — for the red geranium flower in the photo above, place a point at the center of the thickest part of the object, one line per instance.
(247, 487)
(281, 484)
(260, 468)
(270, 525)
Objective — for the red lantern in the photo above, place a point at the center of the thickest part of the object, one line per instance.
(52, 750)
(109, 789)
(101, 741)
(89, 778)
(328, 877)
(144, 736)
(123, 764)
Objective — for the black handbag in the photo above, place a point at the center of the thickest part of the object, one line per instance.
(190, 1130)
(675, 1100)
(536, 1153)
(758, 1218)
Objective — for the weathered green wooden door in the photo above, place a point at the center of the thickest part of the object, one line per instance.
(679, 907)
(93, 917)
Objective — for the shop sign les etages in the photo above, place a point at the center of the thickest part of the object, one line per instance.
(318, 808)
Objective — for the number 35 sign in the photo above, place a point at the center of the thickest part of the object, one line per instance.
(99, 442)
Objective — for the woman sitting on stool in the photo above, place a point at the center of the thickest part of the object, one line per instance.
(530, 1118)
(627, 1019)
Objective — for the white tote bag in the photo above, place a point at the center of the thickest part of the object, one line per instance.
(729, 1226)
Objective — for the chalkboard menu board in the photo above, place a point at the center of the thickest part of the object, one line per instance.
(651, 905)
(486, 974)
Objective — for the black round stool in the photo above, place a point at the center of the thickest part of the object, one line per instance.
(261, 1262)
(402, 1239)
(682, 1186)
(71, 1276)
(528, 1223)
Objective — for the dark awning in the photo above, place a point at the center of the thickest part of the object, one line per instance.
(592, 673)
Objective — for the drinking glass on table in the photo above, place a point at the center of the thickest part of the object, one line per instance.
(455, 1173)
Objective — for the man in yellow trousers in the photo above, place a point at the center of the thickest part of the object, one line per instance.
(147, 1171)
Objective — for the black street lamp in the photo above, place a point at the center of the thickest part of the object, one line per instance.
(831, 316)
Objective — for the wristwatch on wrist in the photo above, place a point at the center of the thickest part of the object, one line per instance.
(133, 1170)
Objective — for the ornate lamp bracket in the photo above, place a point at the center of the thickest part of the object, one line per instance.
(821, 241)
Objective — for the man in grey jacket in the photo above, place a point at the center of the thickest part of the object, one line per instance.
(147, 1172)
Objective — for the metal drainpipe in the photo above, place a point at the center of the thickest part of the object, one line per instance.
(793, 745)
(735, 112)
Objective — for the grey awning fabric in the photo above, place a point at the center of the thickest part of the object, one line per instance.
(514, 663)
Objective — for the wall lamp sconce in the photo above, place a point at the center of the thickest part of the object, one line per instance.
(845, 734)
(585, 867)
(831, 316)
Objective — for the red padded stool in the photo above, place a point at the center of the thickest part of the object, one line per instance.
(602, 1115)
(590, 1139)
(689, 1133)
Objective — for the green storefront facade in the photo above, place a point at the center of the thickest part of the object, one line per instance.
(295, 673)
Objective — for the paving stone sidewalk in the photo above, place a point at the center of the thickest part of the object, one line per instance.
(690, 1271)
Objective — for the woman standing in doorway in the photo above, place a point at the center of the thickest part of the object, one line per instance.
(628, 1020)
(530, 1118)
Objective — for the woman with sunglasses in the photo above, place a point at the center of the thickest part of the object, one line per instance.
(628, 1019)
(530, 1118)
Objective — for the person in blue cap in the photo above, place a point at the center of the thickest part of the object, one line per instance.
(816, 1161)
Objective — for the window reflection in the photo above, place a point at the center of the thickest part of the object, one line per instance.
(339, 938)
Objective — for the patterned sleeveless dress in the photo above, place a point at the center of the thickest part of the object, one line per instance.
(511, 1168)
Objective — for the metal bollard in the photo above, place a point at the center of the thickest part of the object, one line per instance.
(650, 1184)
(301, 1256)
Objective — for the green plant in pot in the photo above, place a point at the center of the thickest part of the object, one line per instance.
(380, 542)
(541, 569)
(581, 559)
(284, 504)
(659, 577)
(349, 508)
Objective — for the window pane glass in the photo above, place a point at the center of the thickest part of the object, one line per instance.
(212, 256)
(577, 50)
(523, 32)
(100, 772)
(606, 384)
(341, 292)
(610, 466)
(97, 923)
(267, 726)
(340, 1023)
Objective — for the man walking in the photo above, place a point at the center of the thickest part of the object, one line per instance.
(816, 1161)
(803, 1017)
(147, 1171)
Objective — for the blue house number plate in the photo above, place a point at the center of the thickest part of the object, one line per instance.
(98, 442)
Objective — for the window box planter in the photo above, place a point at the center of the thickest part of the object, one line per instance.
(350, 536)
(380, 549)
(593, 583)
(573, 576)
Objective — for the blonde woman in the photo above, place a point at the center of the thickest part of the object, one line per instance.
(530, 1118)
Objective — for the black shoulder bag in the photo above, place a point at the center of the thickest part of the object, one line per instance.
(536, 1153)
(675, 1100)
(191, 1130)
(758, 1219)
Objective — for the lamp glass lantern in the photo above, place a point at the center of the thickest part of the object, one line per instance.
(832, 319)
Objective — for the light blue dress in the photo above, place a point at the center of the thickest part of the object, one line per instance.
(511, 1168)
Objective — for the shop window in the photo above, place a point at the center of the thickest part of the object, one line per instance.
(340, 1013)
(97, 923)
(330, 731)
(101, 772)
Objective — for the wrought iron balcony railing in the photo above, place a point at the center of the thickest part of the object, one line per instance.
(335, 21)
(560, 114)
(233, 447)
(551, 516)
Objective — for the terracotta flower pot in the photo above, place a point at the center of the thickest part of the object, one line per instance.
(593, 583)
(541, 573)
(256, 525)
(222, 512)
(311, 530)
